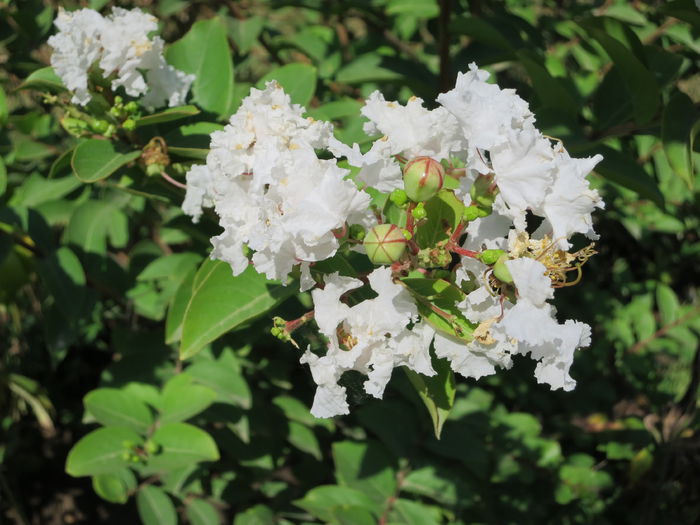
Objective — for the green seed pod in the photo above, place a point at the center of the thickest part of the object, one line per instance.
(398, 197)
(131, 107)
(385, 244)
(491, 256)
(423, 178)
(129, 124)
(99, 126)
(501, 271)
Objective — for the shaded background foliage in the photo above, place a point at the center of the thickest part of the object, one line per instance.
(92, 277)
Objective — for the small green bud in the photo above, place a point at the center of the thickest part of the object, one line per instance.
(275, 331)
(118, 100)
(419, 212)
(385, 244)
(398, 197)
(423, 178)
(501, 271)
(154, 169)
(126, 456)
(129, 124)
(74, 126)
(152, 447)
(131, 107)
(491, 256)
(128, 444)
(407, 234)
(111, 130)
(357, 232)
(99, 126)
(115, 112)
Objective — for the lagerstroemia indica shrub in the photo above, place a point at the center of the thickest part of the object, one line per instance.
(466, 210)
(436, 247)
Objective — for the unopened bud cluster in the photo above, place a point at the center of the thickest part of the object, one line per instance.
(439, 203)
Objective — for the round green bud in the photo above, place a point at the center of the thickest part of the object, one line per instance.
(154, 169)
(131, 107)
(129, 124)
(74, 126)
(419, 212)
(99, 126)
(115, 111)
(385, 244)
(118, 100)
(491, 256)
(501, 271)
(111, 130)
(423, 178)
(357, 232)
(126, 456)
(151, 447)
(398, 197)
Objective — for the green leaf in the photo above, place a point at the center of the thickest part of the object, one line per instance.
(221, 302)
(89, 226)
(679, 117)
(101, 451)
(44, 79)
(64, 277)
(304, 439)
(550, 91)
(419, 8)
(204, 52)
(365, 467)
(322, 501)
(113, 407)
(114, 487)
(177, 308)
(410, 512)
(227, 381)
(437, 392)
(257, 515)
(298, 81)
(155, 507)
(199, 512)
(95, 159)
(668, 304)
(182, 399)
(444, 212)
(181, 444)
(245, 32)
(640, 82)
(623, 170)
(369, 67)
(167, 115)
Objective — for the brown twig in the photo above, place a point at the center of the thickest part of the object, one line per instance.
(444, 42)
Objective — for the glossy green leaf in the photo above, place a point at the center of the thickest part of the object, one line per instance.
(679, 117)
(101, 451)
(227, 381)
(155, 507)
(444, 212)
(167, 115)
(640, 82)
(352, 469)
(114, 407)
(199, 512)
(437, 392)
(95, 159)
(177, 308)
(414, 513)
(323, 500)
(257, 515)
(245, 32)
(183, 399)
(298, 81)
(220, 302)
(303, 438)
(181, 444)
(114, 487)
(204, 52)
(89, 226)
(668, 304)
(44, 79)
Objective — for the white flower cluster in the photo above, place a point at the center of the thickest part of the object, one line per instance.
(270, 190)
(274, 196)
(119, 44)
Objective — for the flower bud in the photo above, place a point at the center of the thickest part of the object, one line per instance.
(491, 256)
(423, 178)
(398, 197)
(74, 126)
(501, 271)
(357, 232)
(385, 244)
(131, 107)
(129, 124)
(419, 212)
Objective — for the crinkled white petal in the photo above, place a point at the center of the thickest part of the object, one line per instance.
(198, 194)
(530, 280)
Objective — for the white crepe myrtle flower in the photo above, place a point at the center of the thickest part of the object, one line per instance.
(372, 337)
(76, 47)
(119, 45)
(271, 191)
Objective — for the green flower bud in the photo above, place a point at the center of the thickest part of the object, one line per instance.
(116, 112)
(154, 169)
(118, 100)
(423, 178)
(357, 232)
(398, 197)
(99, 126)
(152, 447)
(419, 212)
(501, 271)
(491, 256)
(111, 130)
(385, 244)
(74, 126)
(131, 107)
(129, 124)
(126, 456)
